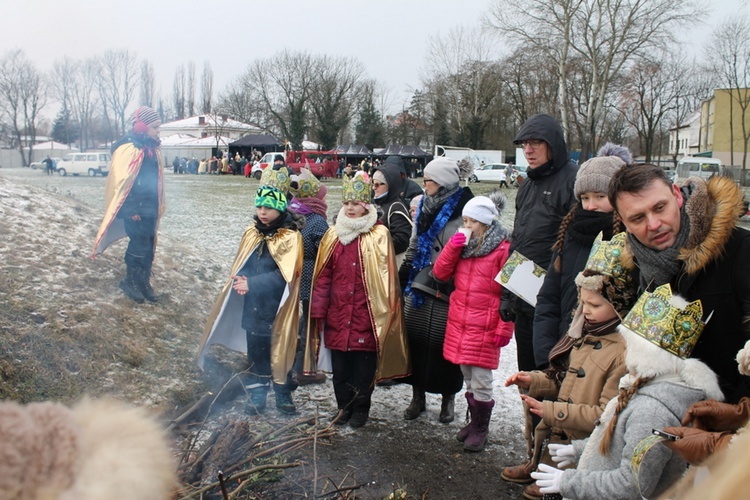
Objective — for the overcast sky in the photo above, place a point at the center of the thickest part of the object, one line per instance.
(388, 36)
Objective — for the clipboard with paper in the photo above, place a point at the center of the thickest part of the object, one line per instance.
(522, 276)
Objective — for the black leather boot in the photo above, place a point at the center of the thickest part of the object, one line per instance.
(144, 285)
(417, 404)
(447, 409)
(129, 285)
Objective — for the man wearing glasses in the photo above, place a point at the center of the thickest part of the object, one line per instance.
(541, 203)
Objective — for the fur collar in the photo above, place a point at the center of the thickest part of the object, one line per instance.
(713, 207)
(348, 229)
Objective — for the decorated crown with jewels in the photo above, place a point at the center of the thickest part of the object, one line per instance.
(307, 185)
(655, 318)
(278, 179)
(357, 188)
(606, 257)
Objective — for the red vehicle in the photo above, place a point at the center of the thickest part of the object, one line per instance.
(322, 164)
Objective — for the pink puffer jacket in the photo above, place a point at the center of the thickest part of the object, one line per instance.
(474, 329)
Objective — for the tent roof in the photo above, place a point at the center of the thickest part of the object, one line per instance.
(184, 140)
(407, 151)
(255, 140)
(353, 150)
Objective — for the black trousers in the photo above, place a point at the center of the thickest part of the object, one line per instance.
(259, 358)
(524, 342)
(142, 234)
(354, 379)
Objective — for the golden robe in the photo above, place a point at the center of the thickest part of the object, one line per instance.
(384, 298)
(224, 325)
(126, 163)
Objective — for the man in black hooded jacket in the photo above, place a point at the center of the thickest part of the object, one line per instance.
(541, 203)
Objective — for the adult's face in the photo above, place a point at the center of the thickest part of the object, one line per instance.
(430, 187)
(652, 215)
(537, 152)
(379, 188)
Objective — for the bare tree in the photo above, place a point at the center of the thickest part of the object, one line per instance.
(62, 83)
(605, 35)
(333, 96)
(119, 79)
(85, 99)
(207, 85)
(178, 92)
(462, 64)
(147, 84)
(729, 51)
(284, 84)
(190, 103)
(23, 94)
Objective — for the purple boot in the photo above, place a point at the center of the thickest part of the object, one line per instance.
(476, 439)
(472, 414)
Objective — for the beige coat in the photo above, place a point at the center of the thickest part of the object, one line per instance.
(596, 366)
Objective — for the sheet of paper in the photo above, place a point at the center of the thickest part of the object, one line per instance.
(522, 277)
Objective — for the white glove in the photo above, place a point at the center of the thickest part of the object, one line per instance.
(562, 454)
(548, 478)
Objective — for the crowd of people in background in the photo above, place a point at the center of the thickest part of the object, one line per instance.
(640, 324)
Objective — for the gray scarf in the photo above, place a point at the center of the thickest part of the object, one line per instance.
(660, 266)
(432, 204)
(479, 247)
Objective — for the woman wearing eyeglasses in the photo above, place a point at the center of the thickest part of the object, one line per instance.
(387, 186)
(426, 300)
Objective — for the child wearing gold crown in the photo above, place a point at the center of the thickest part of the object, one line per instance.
(621, 459)
(257, 310)
(585, 365)
(355, 305)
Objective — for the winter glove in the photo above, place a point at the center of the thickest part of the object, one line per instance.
(562, 454)
(458, 240)
(501, 341)
(548, 478)
(696, 445)
(712, 415)
(506, 313)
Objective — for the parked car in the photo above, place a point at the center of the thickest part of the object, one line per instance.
(40, 165)
(490, 172)
(91, 164)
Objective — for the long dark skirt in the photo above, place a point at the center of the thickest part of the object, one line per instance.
(425, 328)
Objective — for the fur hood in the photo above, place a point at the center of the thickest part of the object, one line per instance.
(713, 208)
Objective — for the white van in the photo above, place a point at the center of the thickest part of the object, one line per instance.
(694, 166)
(91, 164)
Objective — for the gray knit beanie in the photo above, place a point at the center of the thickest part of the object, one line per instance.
(443, 171)
(595, 174)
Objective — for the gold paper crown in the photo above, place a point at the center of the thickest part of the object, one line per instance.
(278, 179)
(675, 330)
(307, 184)
(605, 257)
(357, 188)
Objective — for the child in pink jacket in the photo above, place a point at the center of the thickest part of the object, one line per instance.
(475, 333)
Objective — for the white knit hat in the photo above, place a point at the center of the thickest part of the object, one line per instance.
(481, 209)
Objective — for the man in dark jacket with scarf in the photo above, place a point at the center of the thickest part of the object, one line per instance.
(688, 237)
(541, 203)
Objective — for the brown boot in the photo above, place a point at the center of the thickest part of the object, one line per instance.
(520, 474)
(531, 492)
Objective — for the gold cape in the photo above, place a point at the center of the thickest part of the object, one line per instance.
(224, 325)
(126, 163)
(384, 297)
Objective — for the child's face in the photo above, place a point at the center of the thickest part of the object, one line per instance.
(267, 215)
(596, 201)
(354, 210)
(477, 228)
(595, 308)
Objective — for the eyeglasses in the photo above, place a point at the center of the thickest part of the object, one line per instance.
(532, 143)
(425, 181)
(378, 184)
